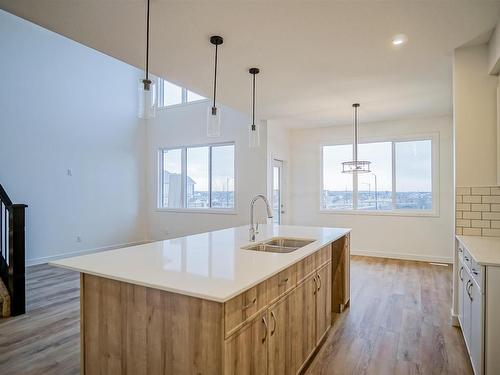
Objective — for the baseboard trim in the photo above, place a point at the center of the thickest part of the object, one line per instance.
(402, 256)
(42, 260)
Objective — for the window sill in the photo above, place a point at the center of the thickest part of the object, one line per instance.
(217, 211)
(381, 213)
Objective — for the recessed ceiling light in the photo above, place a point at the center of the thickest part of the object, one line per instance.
(399, 39)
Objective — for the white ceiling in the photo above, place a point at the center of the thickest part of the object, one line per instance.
(316, 57)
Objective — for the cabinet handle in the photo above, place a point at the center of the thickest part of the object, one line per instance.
(250, 304)
(265, 326)
(283, 282)
(469, 291)
(274, 323)
(320, 283)
(460, 273)
(315, 285)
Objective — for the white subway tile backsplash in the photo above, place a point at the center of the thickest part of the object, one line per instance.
(480, 207)
(472, 231)
(480, 223)
(495, 191)
(473, 199)
(471, 215)
(477, 211)
(491, 199)
(490, 215)
(463, 190)
(495, 224)
(480, 191)
(463, 206)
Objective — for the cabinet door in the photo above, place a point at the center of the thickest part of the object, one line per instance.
(466, 308)
(280, 338)
(303, 312)
(347, 271)
(476, 329)
(246, 350)
(323, 302)
(461, 291)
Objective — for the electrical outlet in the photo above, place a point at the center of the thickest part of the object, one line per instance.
(69, 172)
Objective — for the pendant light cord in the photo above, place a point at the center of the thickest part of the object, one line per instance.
(215, 74)
(147, 42)
(253, 102)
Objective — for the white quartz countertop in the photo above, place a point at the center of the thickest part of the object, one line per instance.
(484, 250)
(210, 265)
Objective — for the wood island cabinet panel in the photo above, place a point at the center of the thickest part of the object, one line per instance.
(303, 321)
(281, 283)
(340, 276)
(130, 329)
(280, 338)
(323, 302)
(323, 256)
(305, 268)
(244, 306)
(246, 350)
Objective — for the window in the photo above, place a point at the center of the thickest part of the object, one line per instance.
(170, 94)
(197, 177)
(401, 177)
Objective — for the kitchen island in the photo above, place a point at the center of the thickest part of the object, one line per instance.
(202, 304)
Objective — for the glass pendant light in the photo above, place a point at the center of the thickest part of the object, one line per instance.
(253, 130)
(147, 88)
(355, 166)
(213, 113)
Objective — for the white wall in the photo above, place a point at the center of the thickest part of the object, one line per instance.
(406, 237)
(278, 147)
(186, 125)
(475, 117)
(65, 106)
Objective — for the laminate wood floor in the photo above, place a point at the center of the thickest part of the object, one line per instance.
(398, 323)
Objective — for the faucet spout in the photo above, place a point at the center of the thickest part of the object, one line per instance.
(252, 204)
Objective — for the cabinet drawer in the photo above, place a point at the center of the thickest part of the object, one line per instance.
(323, 256)
(244, 307)
(306, 267)
(466, 256)
(281, 283)
(477, 273)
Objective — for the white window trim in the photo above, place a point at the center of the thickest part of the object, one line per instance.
(208, 210)
(435, 165)
(184, 97)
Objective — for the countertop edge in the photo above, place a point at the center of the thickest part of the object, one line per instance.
(199, 295)
(463, 240)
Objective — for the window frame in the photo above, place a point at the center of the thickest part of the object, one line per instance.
(184, 93)
(435, 183)
(184, 209)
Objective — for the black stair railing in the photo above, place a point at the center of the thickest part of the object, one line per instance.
(12, 251)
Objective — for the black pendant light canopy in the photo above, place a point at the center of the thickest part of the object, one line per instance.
(147, 89)
(213, 114)
(253, 132)
(355, 165)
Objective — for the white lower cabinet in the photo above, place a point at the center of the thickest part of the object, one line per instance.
(471, 315)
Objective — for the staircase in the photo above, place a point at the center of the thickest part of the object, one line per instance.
(12, 257)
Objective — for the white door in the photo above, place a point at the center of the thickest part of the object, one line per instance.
(278, 196)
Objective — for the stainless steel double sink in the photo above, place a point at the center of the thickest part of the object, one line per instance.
(279, 245)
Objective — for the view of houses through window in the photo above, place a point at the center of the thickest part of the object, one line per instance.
(170, 94)
(400, 177)
(198, 177)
